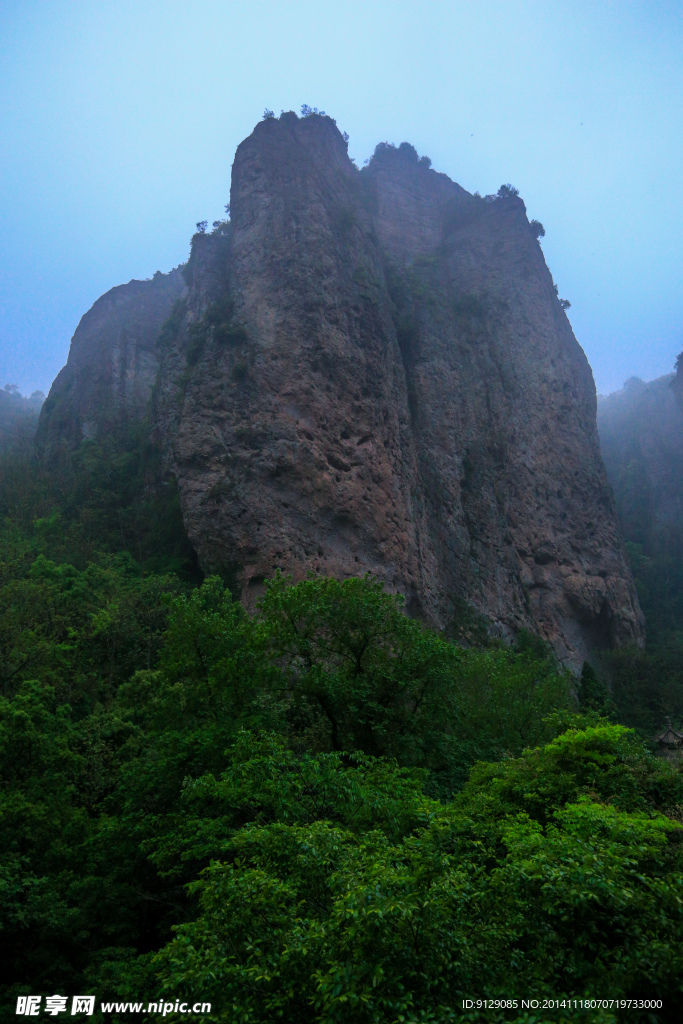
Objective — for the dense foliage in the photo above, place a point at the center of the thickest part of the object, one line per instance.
(321, 812)
(648, 684)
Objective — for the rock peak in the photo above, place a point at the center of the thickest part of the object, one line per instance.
(371, 372)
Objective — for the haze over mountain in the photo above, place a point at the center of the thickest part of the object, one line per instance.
(120, 123)
(641, 437)
(18, 416)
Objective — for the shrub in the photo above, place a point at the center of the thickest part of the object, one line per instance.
(216, 323)
(565, 303)
(230, 334)
(468, 308)
(240, 370)
(344, 219)
(408, 151)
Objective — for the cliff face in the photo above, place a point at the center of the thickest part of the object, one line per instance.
(113, 362)
(641, 435)
(369, 371)
(374, 374)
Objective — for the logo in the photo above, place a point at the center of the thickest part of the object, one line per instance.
(29, 1006)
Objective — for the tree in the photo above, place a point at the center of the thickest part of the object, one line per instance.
(537, 229)
(565, 303)
(306, 111)
(507, 191)
(553, 872)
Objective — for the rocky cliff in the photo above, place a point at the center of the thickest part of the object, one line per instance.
(641, 435)
(371, 371)
(113, 362)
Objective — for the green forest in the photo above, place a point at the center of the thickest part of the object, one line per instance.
(324, 811)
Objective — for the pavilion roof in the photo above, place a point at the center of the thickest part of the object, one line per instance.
(670, 737)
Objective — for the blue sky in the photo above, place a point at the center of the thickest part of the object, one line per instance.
(119, 123)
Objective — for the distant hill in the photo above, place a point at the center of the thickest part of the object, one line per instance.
(18, 415)
(641, 437)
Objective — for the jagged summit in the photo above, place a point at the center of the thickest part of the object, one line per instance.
(371, 371)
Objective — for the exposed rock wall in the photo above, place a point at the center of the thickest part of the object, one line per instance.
(375, 374)
(113, 362)
(293, 443)
(369, 371)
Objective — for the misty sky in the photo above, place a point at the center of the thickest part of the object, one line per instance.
(119, 123)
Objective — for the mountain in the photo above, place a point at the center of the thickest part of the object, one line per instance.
(641, 436)
(112, 365)
(369, 371)
(18, 417)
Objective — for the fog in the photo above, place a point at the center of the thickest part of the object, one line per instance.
(120, 121)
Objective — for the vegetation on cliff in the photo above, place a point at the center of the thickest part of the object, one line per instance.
(319, 812)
